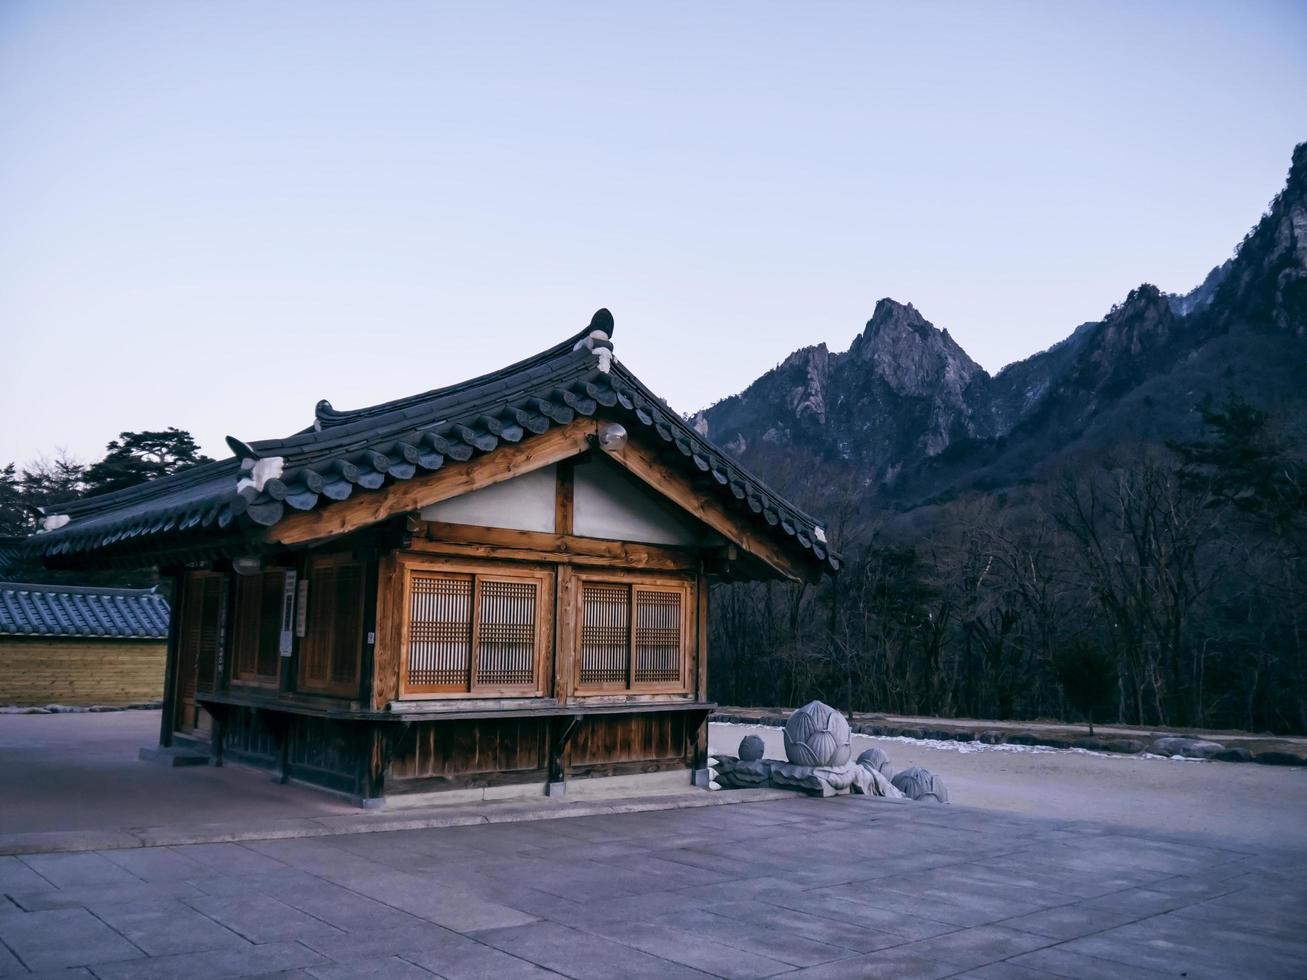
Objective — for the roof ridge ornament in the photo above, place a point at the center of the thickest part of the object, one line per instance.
(47, 522)
(600, 339)
(256, 470)
(323, 407)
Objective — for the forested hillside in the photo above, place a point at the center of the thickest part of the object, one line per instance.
(1131, 503)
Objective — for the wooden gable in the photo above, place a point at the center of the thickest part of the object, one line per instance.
(639, 463)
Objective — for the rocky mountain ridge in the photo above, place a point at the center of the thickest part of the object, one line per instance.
(906, 411)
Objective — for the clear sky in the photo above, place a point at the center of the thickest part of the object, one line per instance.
(213, 214)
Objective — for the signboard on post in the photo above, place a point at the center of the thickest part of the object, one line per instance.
(288, 614)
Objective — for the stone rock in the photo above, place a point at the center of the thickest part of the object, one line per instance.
(992, 738)
(1128, 745)
(751, 748)
(817, 735)
(732, 773)
(876, 759)
(917, 783)
(1189, 748)
(832, 780)
(1234, 755)
(882, 785)
(1092, 744)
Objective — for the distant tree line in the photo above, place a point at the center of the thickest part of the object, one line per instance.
(45, 483)
(1164, 586)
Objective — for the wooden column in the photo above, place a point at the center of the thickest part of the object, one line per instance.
(564, 493)
(565, 634)
(169, 719)
(386, 652)
(700, 763)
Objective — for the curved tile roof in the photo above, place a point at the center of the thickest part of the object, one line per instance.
(82, 611)
(348, 452)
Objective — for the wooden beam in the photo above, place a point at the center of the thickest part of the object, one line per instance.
(644, 464)
(507, 543)
(564, 493)
(455, 479)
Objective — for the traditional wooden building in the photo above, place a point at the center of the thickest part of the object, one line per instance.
(81, 644)
(499, 583)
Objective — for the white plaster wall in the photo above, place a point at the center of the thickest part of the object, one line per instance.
(607, 503)
(525, 503)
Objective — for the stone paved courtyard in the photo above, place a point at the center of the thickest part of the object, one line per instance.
(847, 887)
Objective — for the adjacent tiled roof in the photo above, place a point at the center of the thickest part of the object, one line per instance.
(348, 452)
(83, 611)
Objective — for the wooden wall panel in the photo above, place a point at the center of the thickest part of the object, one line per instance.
(248, 738)
(332, 647)
(647, 737)
(461, 748)
(324, 752)
(80, 672)
(212, 588)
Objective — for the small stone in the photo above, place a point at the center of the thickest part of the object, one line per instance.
(876, 760)
(918, 783)
(751, 748)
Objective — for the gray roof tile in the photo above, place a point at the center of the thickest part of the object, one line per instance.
(28, 609)
(345, 452)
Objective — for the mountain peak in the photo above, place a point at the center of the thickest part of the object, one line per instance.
(893, 316)
(907, 413)
(909, 353)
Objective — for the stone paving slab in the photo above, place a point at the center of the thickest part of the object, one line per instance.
(789, 887)
(368, 822)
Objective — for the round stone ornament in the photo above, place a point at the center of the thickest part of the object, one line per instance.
(751, 748)
(917, 783)
(876, 759)
(817, 735)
